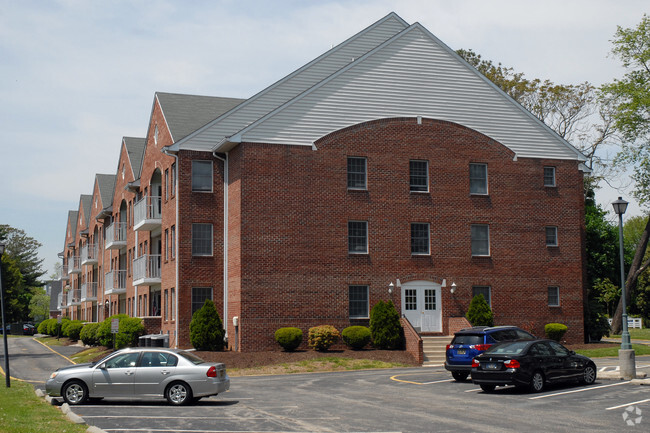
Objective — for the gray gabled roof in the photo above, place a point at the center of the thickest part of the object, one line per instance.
(85, 202)
(106, 186)
(185, 114)
(135, 152)
(55, 289)
(72, 222)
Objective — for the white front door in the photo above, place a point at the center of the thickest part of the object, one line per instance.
(421, 305)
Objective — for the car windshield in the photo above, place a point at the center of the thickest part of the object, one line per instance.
(467, 339)
(191, 357)
(514, 348)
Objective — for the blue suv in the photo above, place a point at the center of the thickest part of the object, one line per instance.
(470, 342)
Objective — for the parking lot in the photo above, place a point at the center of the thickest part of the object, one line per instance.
(414, 399)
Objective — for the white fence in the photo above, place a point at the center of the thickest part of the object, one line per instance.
(632, 322)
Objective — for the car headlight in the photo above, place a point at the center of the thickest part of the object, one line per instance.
(53, 375)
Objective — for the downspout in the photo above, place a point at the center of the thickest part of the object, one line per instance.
(177, 288)
(225, 236)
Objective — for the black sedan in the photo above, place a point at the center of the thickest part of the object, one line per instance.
(530, 364)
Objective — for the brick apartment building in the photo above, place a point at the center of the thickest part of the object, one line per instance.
(387, 162)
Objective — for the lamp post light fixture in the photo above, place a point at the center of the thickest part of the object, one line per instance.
(390, 288)
(453, 288)
(4, 326)
(626, 353)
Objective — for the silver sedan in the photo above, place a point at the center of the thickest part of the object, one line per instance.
(181, 377)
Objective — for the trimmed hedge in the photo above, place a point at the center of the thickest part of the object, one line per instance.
(130, 330)
(323, 337)
(72, 329)
(555, 331)
(289, 338)
(357, 337)
(88, 334)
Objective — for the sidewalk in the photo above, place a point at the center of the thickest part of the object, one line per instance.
(618, 340)
(640, 377)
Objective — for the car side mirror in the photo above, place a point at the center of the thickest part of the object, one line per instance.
(571, 352)
(102, 366)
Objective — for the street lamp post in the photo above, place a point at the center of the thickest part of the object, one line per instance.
(4, 326)
(626, 353)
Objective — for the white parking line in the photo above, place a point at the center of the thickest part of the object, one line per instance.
(627, 404)
(438, 381)
(577, 390)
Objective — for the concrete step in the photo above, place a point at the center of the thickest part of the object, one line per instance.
(434, 349)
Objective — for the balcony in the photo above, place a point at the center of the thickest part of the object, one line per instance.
(115, 282)
(89, 254)
(89, 292)
(146, 270)
(62, 274)
(115, 236)
(147, 214)
(74, 297)
(74, 265)
(59, 301)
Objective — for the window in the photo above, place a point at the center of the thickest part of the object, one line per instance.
(173, 174)
(358, 237)
(202, 176)
(549, 176)
(551, 236)
(358, 302)
(199, 295)
(478, 179)
(166, 244)
(155, 135)
(172, 304)
(419, 176)
(410, 300)
(480, 240)
(482, 290)
(172, 243)
(166, 184)
(553, 296)
(420, 238)
(166, 308)
(201, 239)
(357, 173)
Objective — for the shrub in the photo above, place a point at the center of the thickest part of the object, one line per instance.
(322, 337)
(596, 321)
(72, 329)
(206, 328)
(54, 328)
(357, 337)
(88, 334)
(385, 329)
(555, 331)
(130, 330)
(105, 337)
(479, 313)
(289, 338)
(43, 326)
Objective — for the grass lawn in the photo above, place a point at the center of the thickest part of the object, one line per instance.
(637, 334)
(639, 349)
(21, 411)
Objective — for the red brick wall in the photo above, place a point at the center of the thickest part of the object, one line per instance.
(289, 260)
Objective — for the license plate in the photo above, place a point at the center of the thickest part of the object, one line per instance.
(491, 366)
(461, 351)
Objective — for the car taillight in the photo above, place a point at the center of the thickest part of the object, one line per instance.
(482, 347)
(474, 363)
(449, 346)
(512, 363)
(212, 372)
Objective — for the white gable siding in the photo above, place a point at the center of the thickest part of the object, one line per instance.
(412, 75)
(293, 85)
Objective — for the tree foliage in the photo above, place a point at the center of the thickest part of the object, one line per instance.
(24, 250)
(385, 328)
(479, 312)
(206, 328)
(39, 306)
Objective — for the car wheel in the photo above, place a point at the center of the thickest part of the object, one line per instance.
(460, 376)
(537, 382)
(178, 393)
(75, 392)
(588, 375)
(488, 388)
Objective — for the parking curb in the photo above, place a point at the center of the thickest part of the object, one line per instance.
(616, 375)
(67, 411)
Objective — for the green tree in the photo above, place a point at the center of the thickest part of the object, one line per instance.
(16, 297)
(630, 99)
(480, 313)
(385, 328)
(206, 328)
(39, 306)
(24, 250)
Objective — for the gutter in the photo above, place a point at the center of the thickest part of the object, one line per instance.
(225, 235)
(176, 259)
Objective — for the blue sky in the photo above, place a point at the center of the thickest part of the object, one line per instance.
(76, 76)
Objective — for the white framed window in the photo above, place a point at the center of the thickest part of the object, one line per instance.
(549, 176)
(199, 295)
(478, 181)
(420, 239)
(553, 296)
(155, 135)
(480, 235)
(551, 236)
(201, 239)
(202, 176)
(358, 302)
(358, 237)
(485, 291)
(419, 176)
(357, 173)
(172, 242)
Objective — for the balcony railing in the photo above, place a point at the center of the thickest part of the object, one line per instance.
(146, 270)
(59, 300)
(89, 254)
(74, 265)
(89, 292)
(147, 214)
(115, 236)
(115, 282)
(62, 273)
(74, 297)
